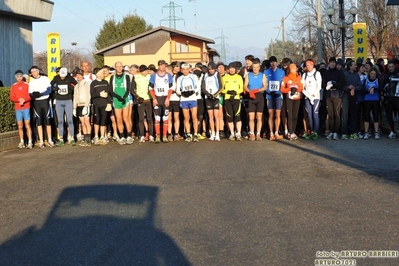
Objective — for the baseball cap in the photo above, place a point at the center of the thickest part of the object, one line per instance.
(185, 66)
(79, 71)
(63, 72)
(161, 62)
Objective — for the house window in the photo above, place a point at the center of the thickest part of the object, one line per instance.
(181, 48)
(130, 48)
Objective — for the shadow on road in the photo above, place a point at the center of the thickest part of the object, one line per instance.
(96, 225)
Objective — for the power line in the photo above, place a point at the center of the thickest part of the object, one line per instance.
(222, 47)
(292, 10)
(172, 17)
(77, 15)
(114, 8)
(241, 26)
(143, 9)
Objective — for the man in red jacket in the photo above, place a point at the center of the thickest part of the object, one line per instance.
(19, 95)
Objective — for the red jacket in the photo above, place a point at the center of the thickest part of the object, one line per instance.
(292, 81)
(20, 90)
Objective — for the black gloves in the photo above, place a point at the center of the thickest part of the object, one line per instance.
(36, 94)
(140, 100)
(293, 90)
(187, 93)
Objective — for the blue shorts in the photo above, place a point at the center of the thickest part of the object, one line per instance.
(274, 104)
(22, 115)
(188, 104)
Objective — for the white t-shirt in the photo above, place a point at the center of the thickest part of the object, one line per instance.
(40, 84)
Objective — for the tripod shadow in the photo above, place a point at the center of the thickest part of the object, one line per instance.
(96, 225)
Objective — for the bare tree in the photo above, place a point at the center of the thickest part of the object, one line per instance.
(382, 26)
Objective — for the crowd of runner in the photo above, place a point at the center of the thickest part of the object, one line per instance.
(179, 101)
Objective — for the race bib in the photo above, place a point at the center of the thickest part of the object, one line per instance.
(274, 85)
(62, 89)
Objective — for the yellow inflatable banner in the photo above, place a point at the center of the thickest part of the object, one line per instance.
(360, 41)
(53, 53)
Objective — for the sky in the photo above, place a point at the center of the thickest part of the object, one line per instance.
(245, 24)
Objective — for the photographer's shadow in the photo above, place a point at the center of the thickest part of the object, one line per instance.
(96, 225)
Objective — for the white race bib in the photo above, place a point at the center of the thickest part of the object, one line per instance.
(62, 89)
(274, 85)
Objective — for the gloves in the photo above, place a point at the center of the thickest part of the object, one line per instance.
(140, 100)
(85, 110)
(103, 94)
(187, 93)
(252, 95)
(74, 112)
(108, 108)
(329, 85)
(293, 90)
(36, 94)
(232, 92)
(209, 96)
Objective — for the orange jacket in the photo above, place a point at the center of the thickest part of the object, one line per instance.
(290, 81)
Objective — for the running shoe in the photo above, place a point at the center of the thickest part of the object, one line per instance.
(344, 137)
(60, 143)
(147, 136)
(170, 137)
(41, 145)
(251, 136)
(151, 139)
(354, 136)
(129, 140)
(201, 137)
(277, 136)
(366, 135)
(82, 143)
(258, 138)
(51, 144)
(115, 137)
(157, 139)
(217, 138)
(196, 138)
(122, 141)
(165, 139)
(360, 135)
(72, 142)
(176, 137)
(376, 135)
(306, 136)
(188, 138)
(293, 136)
(142, 139)
(314, 136)
(232, 137)
(335, 136)
(392, 135)
(238, 137)
(21, 145)
(29, 146)
(96, 141)
(330, 136)
(212, 137)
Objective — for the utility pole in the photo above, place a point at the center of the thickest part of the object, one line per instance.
(222, 47)
(283, 31)
(319, 46)
(172, 16)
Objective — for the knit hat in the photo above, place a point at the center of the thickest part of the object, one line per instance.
(332, 59)
(272, 59)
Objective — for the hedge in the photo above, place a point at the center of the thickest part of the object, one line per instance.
(7, 114)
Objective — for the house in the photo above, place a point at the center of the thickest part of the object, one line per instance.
(160, 43)
(16, 18)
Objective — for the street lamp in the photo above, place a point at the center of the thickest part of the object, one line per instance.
(303, 49)
(341, 24)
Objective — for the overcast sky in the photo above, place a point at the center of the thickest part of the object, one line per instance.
(245, 23)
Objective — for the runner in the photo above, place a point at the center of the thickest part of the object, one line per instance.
(121, 88)
(274, 97)
(81, 101)
(19, 95)
(39, 90)
(63, 85)
(232, 88)
(174, 108)
(311, 81)
(143, 99)
(372, 87)
(100, 92)
(255, 84)
(292, 87)
(160, 90)
(211, 86)
(221, 68)
(391, 96)
(187, 87)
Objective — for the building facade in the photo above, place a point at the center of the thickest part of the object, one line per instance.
(160, 43)
(16, 18)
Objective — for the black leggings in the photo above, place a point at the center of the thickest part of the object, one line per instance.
(373, 107)
(334, 113)
(41, 109)
(145, 111)
(292, 113)
(233, 110)
(390, 104)
(100, 116)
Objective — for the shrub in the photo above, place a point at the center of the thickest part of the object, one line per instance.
(7, 114)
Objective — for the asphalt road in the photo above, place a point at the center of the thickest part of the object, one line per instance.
(227, 203)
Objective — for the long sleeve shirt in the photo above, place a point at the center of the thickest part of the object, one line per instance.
(232, 83)
(20, 90)
(96, 87)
